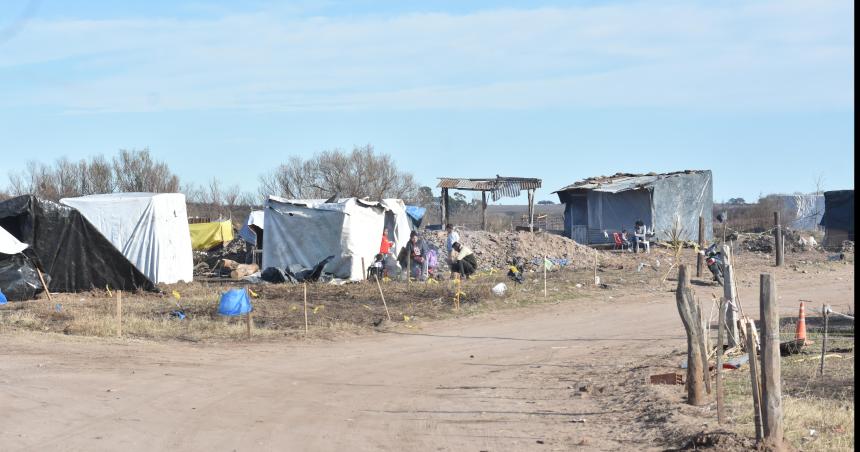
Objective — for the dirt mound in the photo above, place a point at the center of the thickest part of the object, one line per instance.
(720, 440)
(795, 242)
(496, 250)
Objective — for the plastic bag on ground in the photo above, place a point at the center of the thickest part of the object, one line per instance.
(499, 289)
(234, 302)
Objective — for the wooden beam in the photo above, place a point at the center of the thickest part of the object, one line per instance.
(700, 259)
(689, 316)
(730, 297)
(443, 207)
(721, 319)
(754, 379)
(531, 194)
(777, 231)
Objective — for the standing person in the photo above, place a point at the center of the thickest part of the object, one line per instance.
(453, 236)
(416, 255)
(385, 246)
(638, 235)
(463, 261)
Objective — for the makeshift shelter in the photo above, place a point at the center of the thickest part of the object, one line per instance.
(150, 229)
(205, 236)
(19, 279)
(397, 223)
(499, 187)
(802, 212)
(305, 232)
(68, 247)
(838, 219)
(596, 207)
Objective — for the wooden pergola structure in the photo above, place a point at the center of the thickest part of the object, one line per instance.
(498, 188)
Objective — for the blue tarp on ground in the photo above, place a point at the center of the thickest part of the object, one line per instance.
(234, 302)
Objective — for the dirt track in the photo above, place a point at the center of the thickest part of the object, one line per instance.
(508, 381)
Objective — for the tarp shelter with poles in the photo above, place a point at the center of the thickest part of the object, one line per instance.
(205, 236)
(596, 206)
(252, 233)
(19, 279)
(802, 212)
(68, 247)
(498, 187)
(305, 232)
(150, 229)
(838, 219)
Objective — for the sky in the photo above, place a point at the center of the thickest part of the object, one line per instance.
(761, 93)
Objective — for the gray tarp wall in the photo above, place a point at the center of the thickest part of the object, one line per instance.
(684, 197)
(614, 212)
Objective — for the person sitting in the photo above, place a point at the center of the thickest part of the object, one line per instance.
(638, 234)
(463, 261)
(625, 239)
(416, 256)
(377, 267)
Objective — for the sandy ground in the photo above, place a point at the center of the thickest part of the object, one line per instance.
(548, 377)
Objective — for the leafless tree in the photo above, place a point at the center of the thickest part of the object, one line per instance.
(360, 173)
(819, 184)
(135, 171)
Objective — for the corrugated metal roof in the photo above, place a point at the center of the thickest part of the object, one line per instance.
(622, 181)
(499, 186)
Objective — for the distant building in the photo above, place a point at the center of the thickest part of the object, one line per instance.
(598, 206)
(838, 219)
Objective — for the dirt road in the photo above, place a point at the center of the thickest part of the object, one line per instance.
(549, 377)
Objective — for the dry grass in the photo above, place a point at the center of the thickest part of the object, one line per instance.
(818, 411)
(279, 310)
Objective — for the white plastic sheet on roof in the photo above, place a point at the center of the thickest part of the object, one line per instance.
(9, 244)
(305, 232)
(150, 229)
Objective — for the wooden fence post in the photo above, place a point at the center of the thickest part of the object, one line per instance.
(706, 371)
(700, 259)
(770, 360)
(754, 380)
(248, 318)
(305, 295)
(544, 276)
(721, 319)
(689, 316)
(777, 231)
(730, 297)
(363, 270)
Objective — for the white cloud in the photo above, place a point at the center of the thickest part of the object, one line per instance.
(763, 55)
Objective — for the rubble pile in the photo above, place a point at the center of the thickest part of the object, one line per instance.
(497, 250)
(764, 242)
(236, 250)
(848, 246)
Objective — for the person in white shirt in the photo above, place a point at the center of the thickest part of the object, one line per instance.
(453, 237)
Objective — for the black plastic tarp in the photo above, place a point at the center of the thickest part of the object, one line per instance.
(839, 210)
(67, 247)
(18, 278)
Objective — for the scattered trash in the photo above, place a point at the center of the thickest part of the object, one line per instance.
(499, 289)
(737, 362)
(577, 421)
(179, 314)
(58, 307)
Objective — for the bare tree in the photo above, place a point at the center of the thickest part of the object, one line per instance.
(819, 184)
(135, 171)
(361, 173)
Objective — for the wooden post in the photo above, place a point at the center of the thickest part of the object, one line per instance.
(770, 359)
(824, 339)
(687, 309)
(443, 207)
(721, 320)
(379, 286)
(363, 270)
(754, 380)
(42, 279)
(457, 296)
(305, 291)
(248, 319)
(544, 276)
(777, 231)
(118, 313)
(730, 297)
(703, 345)
(700, 259)
(531, 194)
(483, 210)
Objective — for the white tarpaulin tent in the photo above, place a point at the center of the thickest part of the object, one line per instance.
(803, 212)
(9, 244)
(150, 229)
(397, 223)
(255, 218)
(304, 232)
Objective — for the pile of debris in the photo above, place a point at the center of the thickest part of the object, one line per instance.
(764, 242)
(847, 246)
(236, 250)
(498, 250)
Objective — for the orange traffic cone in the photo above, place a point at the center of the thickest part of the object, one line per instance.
(800, 334)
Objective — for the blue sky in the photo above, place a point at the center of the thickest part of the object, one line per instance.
(762, 93)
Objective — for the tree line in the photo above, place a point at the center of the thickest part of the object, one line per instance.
(361, 172)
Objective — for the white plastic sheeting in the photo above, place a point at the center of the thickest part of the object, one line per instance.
(150, 229)
(803, 212)
(304, 232)
(255, 218)
(9, 244)
(397, 223)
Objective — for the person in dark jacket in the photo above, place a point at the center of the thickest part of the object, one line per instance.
(416, 256)
(463, 261)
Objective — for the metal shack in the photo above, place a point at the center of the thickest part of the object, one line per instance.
(598, 206)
